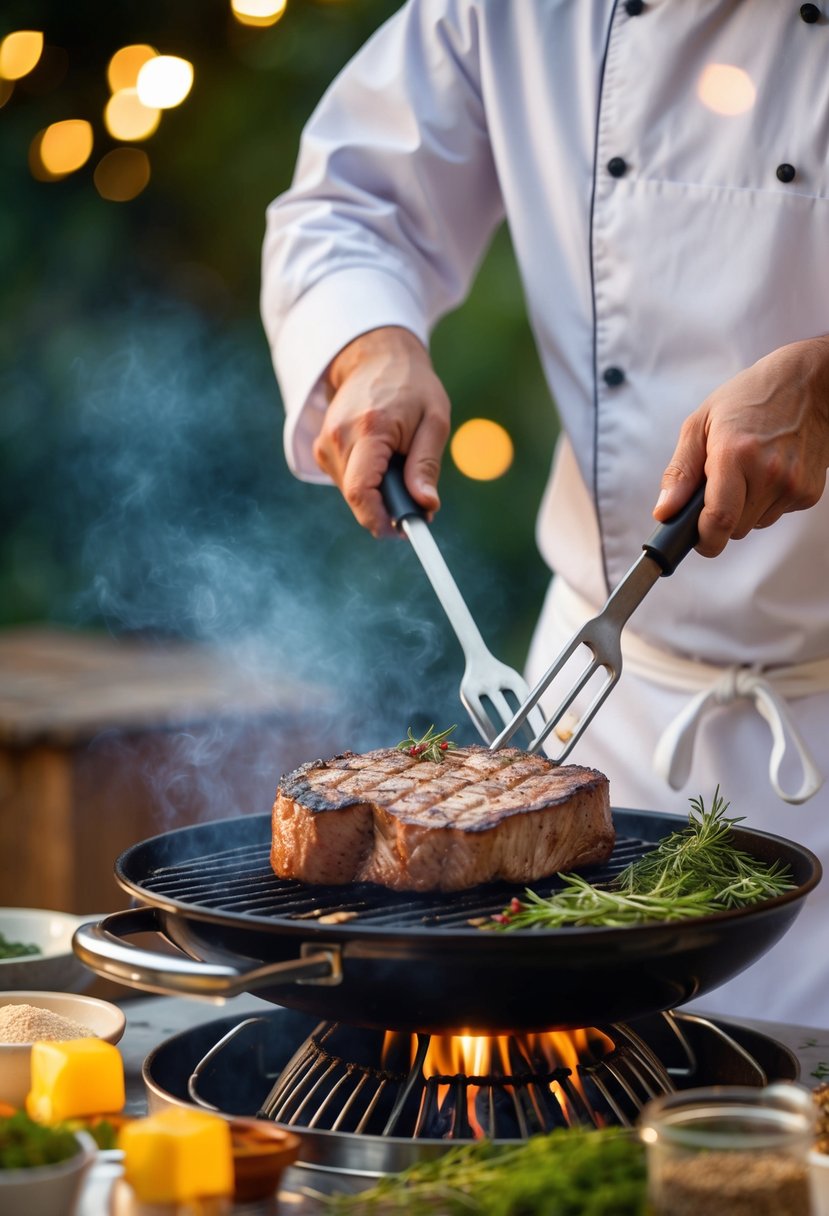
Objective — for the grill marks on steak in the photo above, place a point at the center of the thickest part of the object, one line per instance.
(389, 818)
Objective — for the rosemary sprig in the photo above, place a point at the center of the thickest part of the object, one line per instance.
(692, 872)
(431, 746)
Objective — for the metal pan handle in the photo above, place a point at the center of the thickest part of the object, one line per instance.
(101, 947)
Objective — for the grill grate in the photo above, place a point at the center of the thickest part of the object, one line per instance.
(240, 882)
(321, 1089)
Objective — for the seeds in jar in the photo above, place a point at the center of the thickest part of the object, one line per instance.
(733, 1184)
(29, 1024)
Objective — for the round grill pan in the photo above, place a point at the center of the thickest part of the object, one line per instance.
(373, 957)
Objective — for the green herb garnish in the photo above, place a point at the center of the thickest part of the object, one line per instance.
(431, 747)
(693, 872)
(16, 949)
(570, 1172)
(25, 1144)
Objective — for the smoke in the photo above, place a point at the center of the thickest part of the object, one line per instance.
(188, 528)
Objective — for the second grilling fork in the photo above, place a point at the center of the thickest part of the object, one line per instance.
(662, 552)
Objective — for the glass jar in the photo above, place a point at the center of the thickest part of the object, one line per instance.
(729, 1151)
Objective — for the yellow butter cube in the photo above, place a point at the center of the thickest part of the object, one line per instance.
(177, 1155)
(79, 1077)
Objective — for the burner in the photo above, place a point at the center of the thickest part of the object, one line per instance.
(369, 1102)
(464, 1087)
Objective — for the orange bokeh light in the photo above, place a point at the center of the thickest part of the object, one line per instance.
(124, 66)
(726, 89)
(60, 149)
(482, 449)
(122, 174)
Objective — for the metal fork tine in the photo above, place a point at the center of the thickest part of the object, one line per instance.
(584, 719)
(531, 703)
(479, 717)
(502, 705)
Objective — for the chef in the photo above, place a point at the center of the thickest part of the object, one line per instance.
(664, 171)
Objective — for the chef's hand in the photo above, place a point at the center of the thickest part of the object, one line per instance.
(385, 398)
(762, 441)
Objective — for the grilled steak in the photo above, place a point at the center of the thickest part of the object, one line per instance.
(419, 825)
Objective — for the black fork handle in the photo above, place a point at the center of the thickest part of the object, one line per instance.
(672, 541)
(396, 498)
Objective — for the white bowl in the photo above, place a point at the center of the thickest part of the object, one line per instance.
(47, 1190)
(105, 1021)
(55, 968)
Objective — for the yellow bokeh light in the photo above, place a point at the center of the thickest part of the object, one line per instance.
(126, 118)
(61, 148)
(481, 449)
(258, 12)
(19, 53)
(726, 89)
(124, 66)
(122, 174)
(165, 81)
(6, 90)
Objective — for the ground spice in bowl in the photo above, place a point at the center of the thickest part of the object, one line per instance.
(29, 1024)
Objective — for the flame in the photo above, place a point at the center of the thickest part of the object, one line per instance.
(483, 1059)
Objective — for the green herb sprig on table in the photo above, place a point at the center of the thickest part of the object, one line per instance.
(570, 1172)
(693, 872)
(432, 746)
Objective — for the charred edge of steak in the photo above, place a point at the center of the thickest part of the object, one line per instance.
(299, 786)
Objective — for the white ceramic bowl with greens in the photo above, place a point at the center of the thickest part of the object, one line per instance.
(47, 1190)
(54, 968)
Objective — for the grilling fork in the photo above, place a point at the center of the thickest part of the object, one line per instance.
(662, 553)
(486, 681)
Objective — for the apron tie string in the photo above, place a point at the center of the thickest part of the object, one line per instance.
(675, 749)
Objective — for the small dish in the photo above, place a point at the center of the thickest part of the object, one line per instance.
(55, 968)
(47, 1190)
(261, 1153)
(105, 1021)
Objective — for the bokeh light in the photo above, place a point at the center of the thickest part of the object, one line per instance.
(165, 81)
(482, 449)
(258, 12)
(19, 53)
(6, 90)
(60, 149)
(726, 89)
(122, 174)
(126, 118)
(124, 66)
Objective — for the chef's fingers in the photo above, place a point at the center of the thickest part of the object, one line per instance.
(364, 470)
(422, 468)
(684, 471)
(726, 504)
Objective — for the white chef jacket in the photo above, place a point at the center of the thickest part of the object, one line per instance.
(664, 171)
